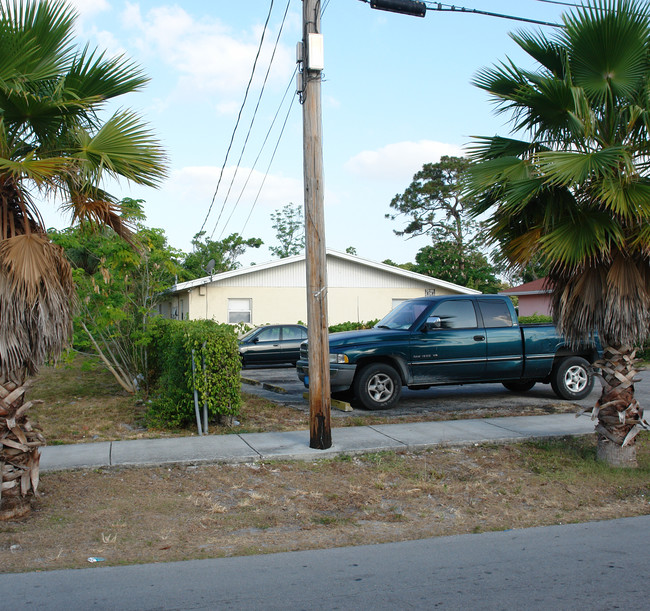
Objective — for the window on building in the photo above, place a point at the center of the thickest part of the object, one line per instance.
(239, 310)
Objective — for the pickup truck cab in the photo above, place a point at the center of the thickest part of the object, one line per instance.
(453, 340)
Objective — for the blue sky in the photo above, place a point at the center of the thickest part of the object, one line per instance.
(396, 94)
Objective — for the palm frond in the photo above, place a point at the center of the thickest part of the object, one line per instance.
(123, 147)
(547, 52)
(36, 291)
(567, 168)
(608, 48)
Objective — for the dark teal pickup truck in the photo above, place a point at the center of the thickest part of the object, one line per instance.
(452, 340)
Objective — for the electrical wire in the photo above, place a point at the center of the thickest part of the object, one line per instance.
(451, 8)
(571, 4)
(250, 127)
(268, 133)
(263, 146)
(438, 6)
(232, 138)
(268, 168)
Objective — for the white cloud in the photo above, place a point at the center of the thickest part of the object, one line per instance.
(207, 55)
(399, 161)
(190, 190)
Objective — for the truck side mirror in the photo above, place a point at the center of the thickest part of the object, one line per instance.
(433, 322)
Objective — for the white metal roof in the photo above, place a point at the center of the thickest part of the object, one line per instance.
(398, 271)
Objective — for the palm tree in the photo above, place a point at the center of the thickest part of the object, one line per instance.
(54, 143)
(575, 189)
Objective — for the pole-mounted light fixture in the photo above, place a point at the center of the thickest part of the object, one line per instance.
(405, 7)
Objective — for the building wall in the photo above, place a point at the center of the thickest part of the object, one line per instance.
(534, 304)
(356, 292)
(289, 305)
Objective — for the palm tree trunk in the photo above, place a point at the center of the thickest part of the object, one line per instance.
(19, 452)
(620, 417)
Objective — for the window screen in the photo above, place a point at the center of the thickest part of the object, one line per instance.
(239, 310)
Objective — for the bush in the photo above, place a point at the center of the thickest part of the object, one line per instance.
(535, 319)
(170, 370)
(352, 326)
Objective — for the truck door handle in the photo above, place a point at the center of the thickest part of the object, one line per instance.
(479, 338)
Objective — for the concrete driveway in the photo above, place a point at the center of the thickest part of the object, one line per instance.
(281, 385)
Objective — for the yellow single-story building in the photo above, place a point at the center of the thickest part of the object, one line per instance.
(358, 290)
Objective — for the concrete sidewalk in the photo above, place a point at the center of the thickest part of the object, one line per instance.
(294, 445)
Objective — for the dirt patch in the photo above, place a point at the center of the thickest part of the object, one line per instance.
(163, 514)
(82, 403)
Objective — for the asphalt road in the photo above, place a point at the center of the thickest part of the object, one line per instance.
(598, 565)
(446, 398)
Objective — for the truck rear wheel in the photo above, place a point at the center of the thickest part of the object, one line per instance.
(519, 385)
(378, 386)
(571, 378)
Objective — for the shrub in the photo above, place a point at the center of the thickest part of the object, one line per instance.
(535, 319)
(173, 381)
(352, 326)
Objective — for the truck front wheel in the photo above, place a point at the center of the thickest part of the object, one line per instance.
(378, 386)
(571, 378)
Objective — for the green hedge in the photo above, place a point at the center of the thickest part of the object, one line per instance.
(352, 326)
(535, 318)
(170, 369)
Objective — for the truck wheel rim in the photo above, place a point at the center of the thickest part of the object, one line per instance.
(576, 378)
(380, 387)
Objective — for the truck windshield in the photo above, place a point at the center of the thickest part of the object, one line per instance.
(403, 316)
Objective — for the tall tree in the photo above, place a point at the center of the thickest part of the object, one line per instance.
(289, 225)
(436, 205)
(53, 139)
(576, 193)
(214, 256)
(470, 269)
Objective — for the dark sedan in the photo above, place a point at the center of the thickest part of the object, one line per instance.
(272, 344)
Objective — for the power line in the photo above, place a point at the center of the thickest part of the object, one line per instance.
(232, 138)
(571, 4)
(268, 133)
(270, 162)
(263, 146)
(438, 6)
(250, 127)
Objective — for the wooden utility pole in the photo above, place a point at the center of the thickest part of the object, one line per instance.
(320, 432)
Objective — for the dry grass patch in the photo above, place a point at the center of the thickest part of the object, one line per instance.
(178, 513)
(83, 403)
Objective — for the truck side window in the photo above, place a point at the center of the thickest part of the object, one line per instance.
(456, 314)
(495, 313)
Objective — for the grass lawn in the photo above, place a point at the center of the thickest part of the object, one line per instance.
(185, 512)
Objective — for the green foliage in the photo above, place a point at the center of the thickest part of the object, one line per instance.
(436, 205)
(352, 326)
(118, 287)
(172, 394)
(224, 253)
(535, 319)
(572, 191)
(468, 267)
(289, 225)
